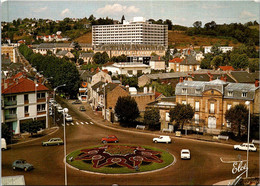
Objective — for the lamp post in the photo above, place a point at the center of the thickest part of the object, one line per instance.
(36, 85)
(186, 103)
(65, 110)
(54, 98)
(248, 130)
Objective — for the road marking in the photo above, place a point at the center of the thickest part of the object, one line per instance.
(86, 123)
(77, 122)
(72, 123)
(91, 123)
(68, 124)
(82, 123)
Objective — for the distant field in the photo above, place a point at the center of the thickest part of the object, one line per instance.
(179, 38)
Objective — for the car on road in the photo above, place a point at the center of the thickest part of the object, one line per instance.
(3, 144)
(110, 139)
(68, 118)
(244, 147)
(162, 139)
(82, 108)
(185, 154)
(76, 102)
(53, 141)
(22, 164)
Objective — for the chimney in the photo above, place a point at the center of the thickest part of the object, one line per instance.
(210, 77)
(186, 78)
(221, 78)
(181, 80)
(159, 58)
(225, 78)
(150, 89)
(145, 90)
(257, 83)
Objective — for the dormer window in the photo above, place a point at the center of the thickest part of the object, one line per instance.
(184, 91)
(230, 93)
(244, 94)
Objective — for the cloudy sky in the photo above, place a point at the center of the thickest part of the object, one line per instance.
(181, 12)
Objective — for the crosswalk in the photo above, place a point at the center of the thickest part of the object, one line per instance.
(78, 123)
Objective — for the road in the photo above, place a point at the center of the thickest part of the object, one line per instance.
(204, 167)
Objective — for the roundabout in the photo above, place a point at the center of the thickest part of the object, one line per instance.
(120, 159)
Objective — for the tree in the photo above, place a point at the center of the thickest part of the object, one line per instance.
(254, 65)
(152, 118)
(100, 58)
(6, 133)
(81, 61)
(216, 62)
(238, 116)
(32, 126)
(197, 24)
(181, 114)
(205, 63)
(239, 61)
(169, 23)
(126, 109)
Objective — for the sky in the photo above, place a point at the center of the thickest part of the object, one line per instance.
(180, 12)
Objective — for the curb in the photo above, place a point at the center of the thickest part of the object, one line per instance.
(56, 129)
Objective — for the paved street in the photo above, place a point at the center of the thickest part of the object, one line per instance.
(204, 167)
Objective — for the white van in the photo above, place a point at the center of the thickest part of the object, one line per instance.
(3, 144)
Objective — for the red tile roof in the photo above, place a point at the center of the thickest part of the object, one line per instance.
(176, 60)
(23, 85)
(157, 94)
(226, 68)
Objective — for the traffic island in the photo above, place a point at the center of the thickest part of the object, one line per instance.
(119, 159)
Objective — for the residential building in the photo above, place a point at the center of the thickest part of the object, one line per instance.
(189, 64)
(9, 51)
(210, 101)
(87, 57)
(224, 49)
(23, 100)
(165, 78)
(157, 63)
(138, 31)
(128, 69)
(174, 64)
(226, 68)
(64, 53)
(164, 105)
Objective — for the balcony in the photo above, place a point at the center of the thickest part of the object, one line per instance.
(10, 116)
(10, 103)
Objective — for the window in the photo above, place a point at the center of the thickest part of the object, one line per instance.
(230, 93)
(197, 118)
(12, 111)
(184, 90)
(40, 107)
(212, 108)
(183, 102)
(130, 72)
(26, 109)
(167, 116)
(197, 106)
(26, 98)
(244, 94)
(197, 91)
(40, 95)
(229, 106)
(139, 71)
(11, 98)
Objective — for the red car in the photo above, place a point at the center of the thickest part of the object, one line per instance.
(109, 139)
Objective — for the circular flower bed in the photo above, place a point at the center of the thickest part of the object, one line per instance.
(116, 159)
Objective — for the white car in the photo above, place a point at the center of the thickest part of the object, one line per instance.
(185, 154)
(68, 117)
(244, 147)
(162, 139)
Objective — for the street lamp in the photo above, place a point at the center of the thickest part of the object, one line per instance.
(65, 110)
(36, 85)
(248, 130)
(186, 103)
(54, 97)
(45, 79)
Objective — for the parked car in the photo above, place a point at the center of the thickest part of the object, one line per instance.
(162, 139)
(244, 147)
(82, 108)
(185, 154)
(53, 141)
(22, 164)
(76, 102)
(3, 144)
(110, 139)
(68, 117)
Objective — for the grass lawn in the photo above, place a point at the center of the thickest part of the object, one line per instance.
(165, 156)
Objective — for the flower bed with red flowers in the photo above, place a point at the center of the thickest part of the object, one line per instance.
(111, 159)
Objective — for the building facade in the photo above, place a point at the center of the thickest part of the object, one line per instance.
(139, 31)
(23, 100)
(211, 100)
